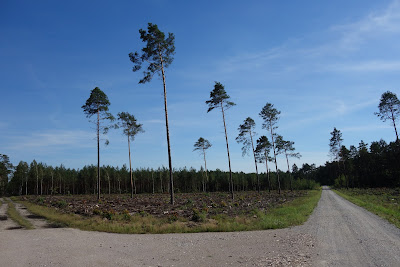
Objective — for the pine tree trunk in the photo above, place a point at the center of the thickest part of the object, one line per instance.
(227, 149)
(205, 167)
(98, 155)
(276, 164)
(37, 180)
(255, 162)
(130, 166)
(394, 125)
(288, 169)
(266, 165)
(171, 178)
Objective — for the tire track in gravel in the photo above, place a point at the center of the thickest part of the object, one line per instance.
(37, 221)
(5, 222)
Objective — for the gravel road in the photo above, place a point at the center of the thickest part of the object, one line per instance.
(347, 235)
(338, 233)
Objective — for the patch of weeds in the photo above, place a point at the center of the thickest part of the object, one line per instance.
(126, 216)
(172, 218)
(109, 214)
(223, 204)
(199, 216)
(61, 204)
(40, 200)
(143, 213)
(97, 211)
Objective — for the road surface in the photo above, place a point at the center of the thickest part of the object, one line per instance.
(347, 235)
(338, 233)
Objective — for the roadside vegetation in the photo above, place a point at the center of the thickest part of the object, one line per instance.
(16, 217)
(200, 212)
(384, 202)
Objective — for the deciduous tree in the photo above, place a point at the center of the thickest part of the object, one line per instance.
(97, 104)
(158, 54)
(130, 128)
(220, 99)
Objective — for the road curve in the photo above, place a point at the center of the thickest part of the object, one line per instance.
(338, 233)
(348, 235)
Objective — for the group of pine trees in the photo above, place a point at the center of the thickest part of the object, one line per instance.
(158, 55)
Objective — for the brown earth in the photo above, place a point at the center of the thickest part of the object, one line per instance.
(245, 203)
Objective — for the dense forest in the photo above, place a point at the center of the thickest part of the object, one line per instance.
(364, 166)
(38, 178)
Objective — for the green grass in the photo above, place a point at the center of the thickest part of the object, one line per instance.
(382, 202)
(16, 217)
(289, 214)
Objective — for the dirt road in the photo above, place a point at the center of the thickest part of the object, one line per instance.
(347, 235)
(338, 233)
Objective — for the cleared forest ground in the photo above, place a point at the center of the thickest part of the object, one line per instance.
(192, 212)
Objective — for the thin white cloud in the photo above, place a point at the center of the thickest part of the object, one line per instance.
(363, 128)
(366, 66)
(53, 139)
(372, 26)
(333, 109)
(295, 56)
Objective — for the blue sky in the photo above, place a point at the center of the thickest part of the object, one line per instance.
(323, 64)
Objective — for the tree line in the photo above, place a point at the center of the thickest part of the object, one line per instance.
(37, 178)
(365, 165)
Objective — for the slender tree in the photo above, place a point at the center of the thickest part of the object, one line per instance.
(5, 169)
(389, 109)
(246, 133)
(202, 145)
(97, 104)
(220, 99)
(286, 147)
(158, 54)
(262, 154)
(335, 144)
(270, 115)
(130, 128)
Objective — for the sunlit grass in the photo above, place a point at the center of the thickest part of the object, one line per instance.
(382, 202)
(289, 214)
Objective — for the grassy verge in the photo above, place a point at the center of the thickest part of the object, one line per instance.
(16, 217)
(382, 202)
(292, 213)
